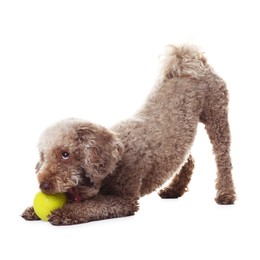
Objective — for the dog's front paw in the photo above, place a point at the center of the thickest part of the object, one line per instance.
(29, 214)
(63, 216)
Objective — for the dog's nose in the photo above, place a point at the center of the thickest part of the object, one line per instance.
(45, 186)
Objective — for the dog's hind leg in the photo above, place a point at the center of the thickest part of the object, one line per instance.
(178, 185)
(215, 118)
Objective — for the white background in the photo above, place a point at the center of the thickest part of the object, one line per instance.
(98, 60)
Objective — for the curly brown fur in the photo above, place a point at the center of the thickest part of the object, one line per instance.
(111, 169)
(178, 185)
(29, 214)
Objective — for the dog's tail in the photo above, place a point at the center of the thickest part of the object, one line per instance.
(183, 61)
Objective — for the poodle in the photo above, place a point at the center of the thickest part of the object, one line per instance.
(106, 171)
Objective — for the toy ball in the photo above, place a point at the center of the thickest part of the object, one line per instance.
(44, 204)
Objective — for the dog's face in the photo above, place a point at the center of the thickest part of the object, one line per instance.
(75, 153)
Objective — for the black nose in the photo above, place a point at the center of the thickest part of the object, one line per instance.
(45, 186)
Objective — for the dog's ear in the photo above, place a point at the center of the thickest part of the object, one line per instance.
(102, 149)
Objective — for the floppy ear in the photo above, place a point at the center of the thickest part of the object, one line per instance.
(102, 150)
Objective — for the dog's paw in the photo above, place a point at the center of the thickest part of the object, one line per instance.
(29, 214)
(167, 193)
(63, 216)
(225, 198)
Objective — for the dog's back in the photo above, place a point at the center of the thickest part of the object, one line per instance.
(158, 139)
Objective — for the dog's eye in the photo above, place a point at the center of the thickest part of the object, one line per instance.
(65, 155)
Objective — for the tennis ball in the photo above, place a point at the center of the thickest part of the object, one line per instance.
(44, 204)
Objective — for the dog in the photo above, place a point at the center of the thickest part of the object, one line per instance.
(106, 171)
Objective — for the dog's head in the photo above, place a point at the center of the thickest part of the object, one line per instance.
(76, 153)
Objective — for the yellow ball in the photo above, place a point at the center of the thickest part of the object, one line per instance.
(44, 204)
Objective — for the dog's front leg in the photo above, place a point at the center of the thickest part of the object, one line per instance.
(97, 208)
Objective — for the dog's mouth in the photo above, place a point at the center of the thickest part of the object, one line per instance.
(72, 188)
(73, 193)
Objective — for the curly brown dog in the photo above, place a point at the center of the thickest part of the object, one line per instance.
(105, 172)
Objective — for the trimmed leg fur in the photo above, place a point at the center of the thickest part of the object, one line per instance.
(220, 138)
(216, 124)
(179, 184)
